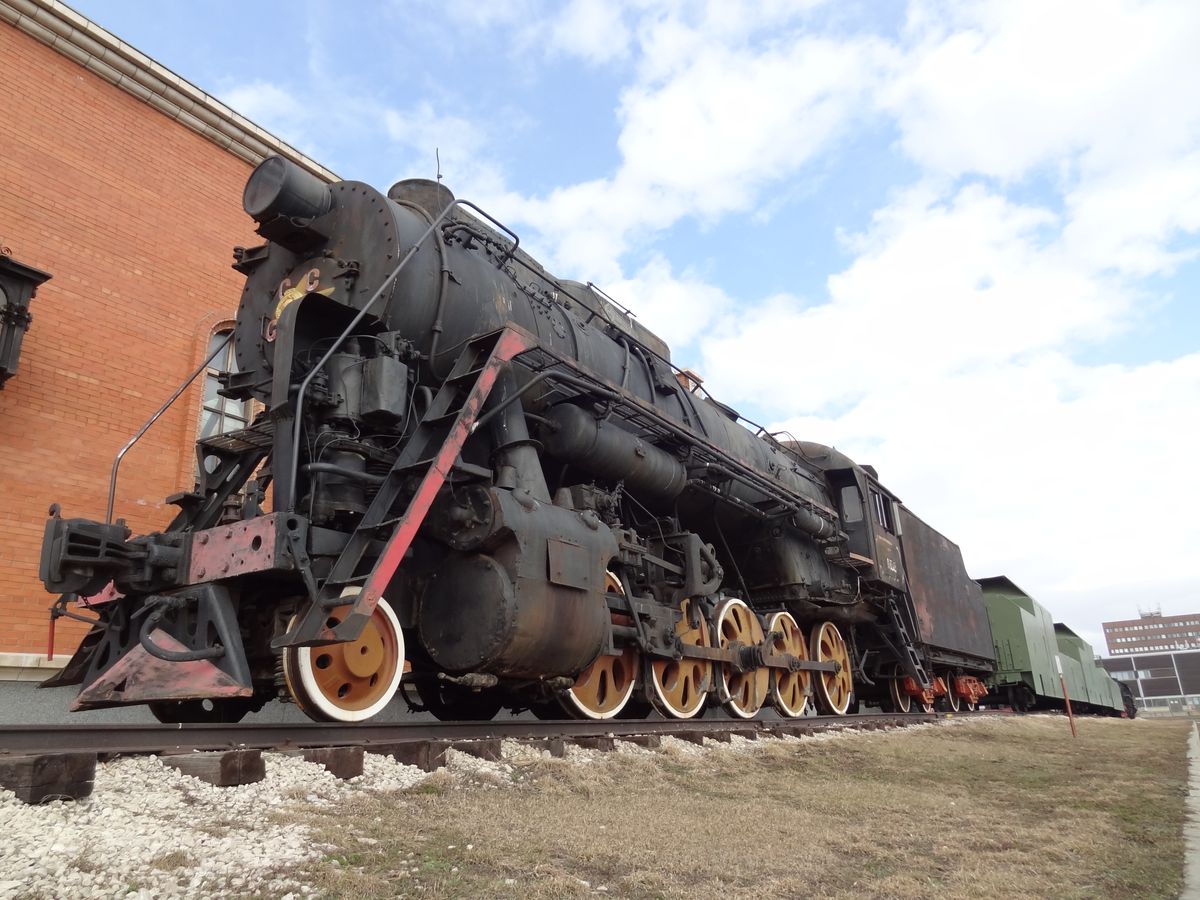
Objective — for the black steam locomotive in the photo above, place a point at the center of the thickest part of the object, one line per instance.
(485, 487)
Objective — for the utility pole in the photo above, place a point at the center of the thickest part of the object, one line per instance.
(1066, 697)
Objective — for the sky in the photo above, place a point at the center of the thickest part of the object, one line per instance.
(958, 241)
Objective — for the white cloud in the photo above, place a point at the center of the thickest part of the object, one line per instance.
(678, 308)
(705, 141)
(1001, 88)
(265, 103)
(429, 135)
(1128, 220)
(937, 288)
(275, 109)
(594, 30)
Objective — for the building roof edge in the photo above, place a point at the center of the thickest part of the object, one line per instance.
(100, 51)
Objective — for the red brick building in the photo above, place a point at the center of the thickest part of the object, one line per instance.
(123, 182)
(1152, 631)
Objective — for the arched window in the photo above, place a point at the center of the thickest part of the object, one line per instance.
(220, 415)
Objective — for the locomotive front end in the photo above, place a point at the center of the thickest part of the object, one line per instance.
(295, 566)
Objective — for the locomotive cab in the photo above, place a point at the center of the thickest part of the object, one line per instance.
(869, 520)
(884, 520)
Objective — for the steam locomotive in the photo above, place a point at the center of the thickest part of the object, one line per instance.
(481, 486)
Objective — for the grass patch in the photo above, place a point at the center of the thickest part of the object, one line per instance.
(996, 807)
(169, 862)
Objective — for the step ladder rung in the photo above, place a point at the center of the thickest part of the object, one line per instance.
(469, 376)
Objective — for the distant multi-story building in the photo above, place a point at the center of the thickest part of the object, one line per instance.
(1153, 631)
(1163, 682)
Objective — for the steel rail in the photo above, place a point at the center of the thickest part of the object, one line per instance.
(137, 739)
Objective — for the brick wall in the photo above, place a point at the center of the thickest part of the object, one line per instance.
(134, 216)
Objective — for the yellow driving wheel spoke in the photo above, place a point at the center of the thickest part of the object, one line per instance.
(832, 689)
(743, 693)
(678, 688)
(789, 690)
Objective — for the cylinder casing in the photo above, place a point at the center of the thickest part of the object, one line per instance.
(526, 598)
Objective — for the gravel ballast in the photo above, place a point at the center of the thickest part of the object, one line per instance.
(150, 831)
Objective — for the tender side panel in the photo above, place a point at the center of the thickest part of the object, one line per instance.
(951, 614)
(1024, 637)
(1092, 687)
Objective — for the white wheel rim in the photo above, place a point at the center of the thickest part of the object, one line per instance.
(574, 702)
(952, 698)
(743, 705)
(301, 663)
(900, 697)
(780, 622)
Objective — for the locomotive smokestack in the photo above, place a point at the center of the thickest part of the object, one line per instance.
(431, 196)
(278, 187)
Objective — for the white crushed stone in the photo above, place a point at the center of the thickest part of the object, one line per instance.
(520, 752)
(629, 748)
(739, 744)
(481, 771)
(149, 831)
(383, 773)
(680, 747)
(583, 755)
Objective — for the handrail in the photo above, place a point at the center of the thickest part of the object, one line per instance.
(112, 482)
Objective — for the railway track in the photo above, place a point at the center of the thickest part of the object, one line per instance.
(145, 739)
(40, 762)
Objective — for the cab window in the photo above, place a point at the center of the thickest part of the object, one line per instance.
(883, 511)
(852, 510)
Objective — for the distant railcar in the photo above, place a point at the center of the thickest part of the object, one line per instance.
(1030, 650)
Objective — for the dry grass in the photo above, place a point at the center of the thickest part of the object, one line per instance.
(169, 862)
(980, 808)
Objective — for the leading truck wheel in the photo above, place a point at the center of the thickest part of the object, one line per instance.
(832, 689)
(353, 681)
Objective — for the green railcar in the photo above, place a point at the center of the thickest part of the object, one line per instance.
(1031, 651)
